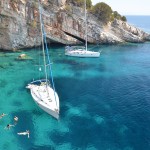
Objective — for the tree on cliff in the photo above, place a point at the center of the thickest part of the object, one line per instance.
(116, 15)
(102, 11)
(80, 3)
(123, 18)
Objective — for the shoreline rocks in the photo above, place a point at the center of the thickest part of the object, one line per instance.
(20, 26)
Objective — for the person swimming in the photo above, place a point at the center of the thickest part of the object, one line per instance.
(9, 126)
(2, 115)
(24, 133)
(15, 118)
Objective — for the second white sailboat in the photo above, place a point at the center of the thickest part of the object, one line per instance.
(81, 51)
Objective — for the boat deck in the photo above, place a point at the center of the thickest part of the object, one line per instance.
(44, 95)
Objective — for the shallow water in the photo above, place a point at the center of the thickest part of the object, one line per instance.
(104, 102)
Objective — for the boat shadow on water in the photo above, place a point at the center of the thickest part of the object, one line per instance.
(75, 65)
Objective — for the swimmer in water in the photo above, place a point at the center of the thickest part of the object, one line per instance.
(2, 115)
(15, 118)
(24, 133)
(9, 126)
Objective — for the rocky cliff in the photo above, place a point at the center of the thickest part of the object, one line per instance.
(64, 23)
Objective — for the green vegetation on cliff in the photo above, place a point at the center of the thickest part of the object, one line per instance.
(80, 3)
(116, 15)
(101, 10)
(105, 13)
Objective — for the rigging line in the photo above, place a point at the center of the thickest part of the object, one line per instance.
(39, 62)
(85, 26)
(47, 52)
(34, 57)
(44, 59)
(50, 67)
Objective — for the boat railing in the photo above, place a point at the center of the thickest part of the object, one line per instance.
(72, 48)
(38, 82)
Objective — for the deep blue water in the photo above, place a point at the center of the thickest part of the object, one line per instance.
(104, 102)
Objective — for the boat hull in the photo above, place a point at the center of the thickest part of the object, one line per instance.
(45, 98)
(82, 54)
(45, 108)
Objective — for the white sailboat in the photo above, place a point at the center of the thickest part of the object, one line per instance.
(81, 51)
(42, 92)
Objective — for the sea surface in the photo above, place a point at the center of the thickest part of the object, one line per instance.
(104, 102)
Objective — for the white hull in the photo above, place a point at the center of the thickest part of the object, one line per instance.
(44, 97)
(82, 53)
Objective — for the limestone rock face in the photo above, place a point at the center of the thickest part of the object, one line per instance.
(127, 32)
(62, 2)
(64, 23)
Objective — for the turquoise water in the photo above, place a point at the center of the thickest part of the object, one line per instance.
(104, 102)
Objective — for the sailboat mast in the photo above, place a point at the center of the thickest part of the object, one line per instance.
(85, 26)
(44, 58)
(48, 58)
